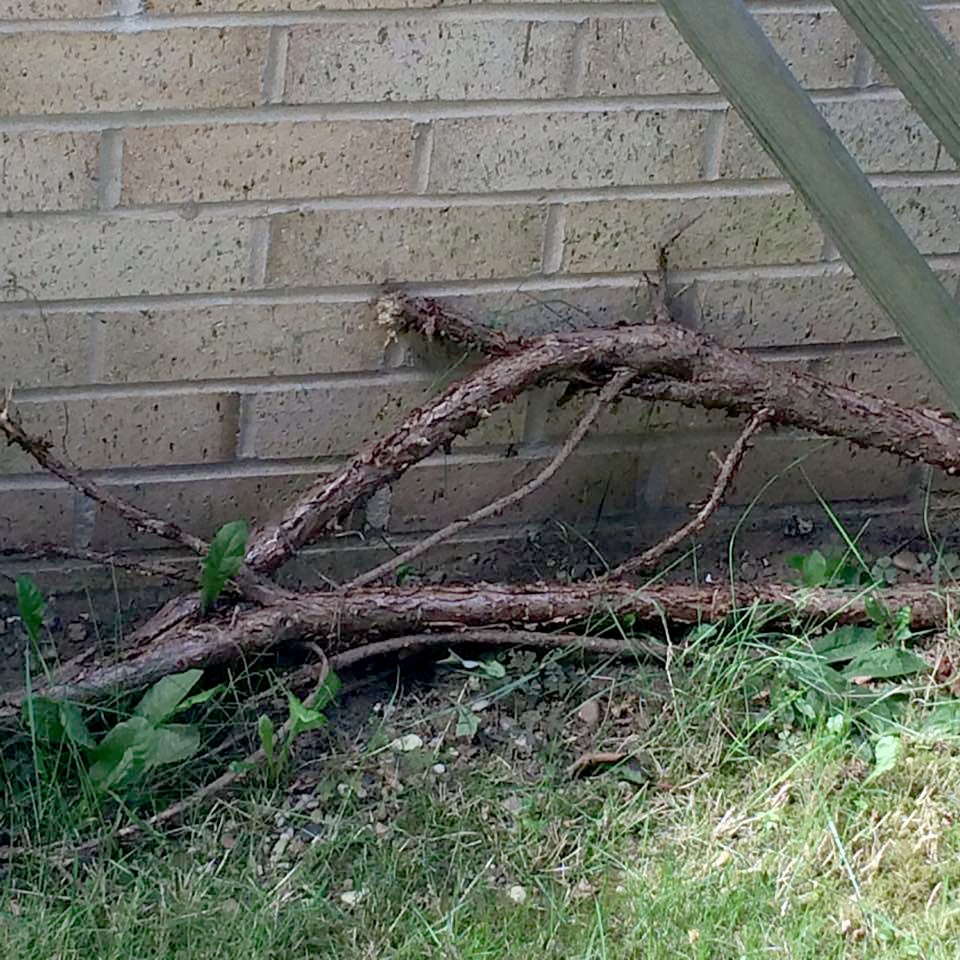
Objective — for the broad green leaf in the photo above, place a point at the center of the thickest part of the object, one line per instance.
(468, 723)
(75, 727)
(163, 698)
(750, 73)
(918, 58)
(846, 643)
(304, 718)
(814, 569)
(223, 560)
(55, 722)
(884, 664)
(174, 742)
(123, 754)
(836, 724)
(265, 732)
(886, 753)
(944, 720)
(202, 697)
(31, 607)
(327, 691)
(492, 668)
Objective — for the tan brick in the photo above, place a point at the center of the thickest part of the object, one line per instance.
(566, 150)
(428, 60)
(730, 231)
(48, 171)
(241, 341)
(819, 48)
(372, 246)
(527, 313)
(778, 311)
(36, 516)
(898, 375)
(335, 420)
(640, 56)
(56, 258)
(249, 6)
(252, 6)
(201, 505)
(131, 431)
(45, 351)
(930, 215)
(81, 72)
(883, 135)
(589, 489)
(53, 9)
(263, 161)
(683, 472)
(646, 55)
(627, 417)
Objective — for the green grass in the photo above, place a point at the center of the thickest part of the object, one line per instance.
(750, 834)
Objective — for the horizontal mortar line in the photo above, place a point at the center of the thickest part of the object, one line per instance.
(319, 466)
(257, 209)
(366, 293)
(252, 468)
(819, 351)
(204, 212)
(537, 12)
(416, 111)
(350, 542)
(249, 385)
(373, 378)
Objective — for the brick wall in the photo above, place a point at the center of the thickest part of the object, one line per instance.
(203, 196)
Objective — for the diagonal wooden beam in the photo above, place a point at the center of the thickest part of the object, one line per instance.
(743, 62)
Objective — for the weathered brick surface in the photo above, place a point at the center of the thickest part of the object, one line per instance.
(884, 136)
(779, 311)
(82, 72)
(48, 171)
(241, 341)
(590, 488)
(646, 55)
(249, 6)
(58, 258)
(53, 9)
(725, 231)
(202, 329)
(929, 214)
(45, 351)
(131, 431)
(682, 471)
(266, 161)
(334, 420)
(896, 375)
(567, 150)
(212, 501)
(41, 515)
(428, 60)
(373, 246)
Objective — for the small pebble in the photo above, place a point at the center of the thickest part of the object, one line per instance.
(517, 894)
(439, 769)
